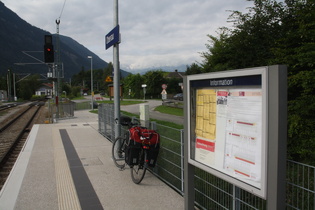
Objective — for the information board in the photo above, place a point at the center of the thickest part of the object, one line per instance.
(228, 126)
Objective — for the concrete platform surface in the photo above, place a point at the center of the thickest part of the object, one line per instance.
(68, 165)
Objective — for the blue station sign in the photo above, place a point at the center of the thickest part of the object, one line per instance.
(112, 37)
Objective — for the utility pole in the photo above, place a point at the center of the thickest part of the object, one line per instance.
(116, 76)
(9, 84)
(92, 92)
(14, 91)
(57, 71)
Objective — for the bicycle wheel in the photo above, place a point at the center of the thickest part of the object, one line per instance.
(138, 171)
(118, 152)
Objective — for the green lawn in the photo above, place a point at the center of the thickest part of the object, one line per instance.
(78, 98)
(162, 109)
(124, 102)
(165, 123)
(170, 110)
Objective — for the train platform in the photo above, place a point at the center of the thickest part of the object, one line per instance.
(68, 165)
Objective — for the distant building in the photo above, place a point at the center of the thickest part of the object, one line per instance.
(176, 74)
(45, 89)
(3, 95)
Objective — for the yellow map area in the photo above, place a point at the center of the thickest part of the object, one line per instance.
(206, 114)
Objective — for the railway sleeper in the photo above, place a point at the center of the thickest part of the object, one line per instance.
(4, 174)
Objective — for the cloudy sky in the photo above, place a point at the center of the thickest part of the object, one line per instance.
(154, 33)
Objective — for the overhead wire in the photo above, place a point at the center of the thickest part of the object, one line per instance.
(64, 3)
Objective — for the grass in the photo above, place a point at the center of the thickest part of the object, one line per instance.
(170, 110)
(124, 102)
(165, 123)
(78, 98)
(162, 109)
(95, 111)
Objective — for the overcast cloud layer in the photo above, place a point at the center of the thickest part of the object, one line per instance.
(154, 33)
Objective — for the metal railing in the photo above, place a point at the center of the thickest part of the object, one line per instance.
(106, 121)
(83, 105)
(300, 186)
(211, 192)
(170, 163)
(66, 110)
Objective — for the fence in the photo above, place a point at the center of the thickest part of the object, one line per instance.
(300, 186)
(211, 192)
(106, 121)
(83, 105)
(66, 110)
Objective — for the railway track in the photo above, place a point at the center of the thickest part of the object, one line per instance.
(13, 135)
(8, 106)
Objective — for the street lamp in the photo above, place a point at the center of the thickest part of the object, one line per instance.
(144, 90)
(92, 93)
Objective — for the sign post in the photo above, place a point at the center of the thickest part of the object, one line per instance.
(113, 39)
(164, 93)
(144, 90)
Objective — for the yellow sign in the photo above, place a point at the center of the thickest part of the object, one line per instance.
(108, 79)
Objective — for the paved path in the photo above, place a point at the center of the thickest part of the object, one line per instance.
(153, 114)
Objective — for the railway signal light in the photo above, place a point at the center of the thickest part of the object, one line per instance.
(49, 53)
(48, 49)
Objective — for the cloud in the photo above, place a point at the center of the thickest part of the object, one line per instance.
(154, 33)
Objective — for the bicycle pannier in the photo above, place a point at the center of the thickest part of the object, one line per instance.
(152, 154)
(150, 138)
(132, 151)
(144, 135)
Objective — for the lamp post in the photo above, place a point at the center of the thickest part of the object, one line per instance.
(144, 90)
(92, 93)
(9, 84)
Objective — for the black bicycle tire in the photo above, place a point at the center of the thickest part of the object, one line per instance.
(133, 172)
(139, 168)
(119, 161)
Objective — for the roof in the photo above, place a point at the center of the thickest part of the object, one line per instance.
(46, 86)
(176, 74)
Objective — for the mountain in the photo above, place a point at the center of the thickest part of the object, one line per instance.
(19, 38)
(180, 68)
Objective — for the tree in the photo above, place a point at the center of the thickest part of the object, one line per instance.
(172, 86)
(79, 79)
(108, 72)
(27, 88)
(3, 83)
(193, 69)
(75, 91)
(154, 81)
(249, 43)
(65, 87)
(297, 50)
(275, 33)
(133, 83)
